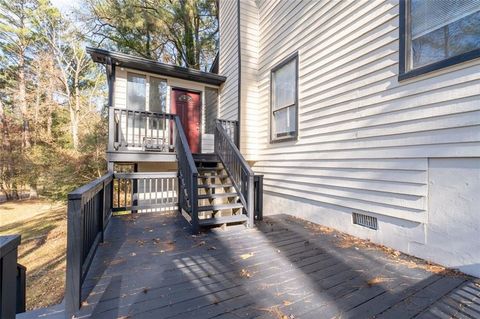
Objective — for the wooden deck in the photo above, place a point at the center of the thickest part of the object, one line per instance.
(151, 267)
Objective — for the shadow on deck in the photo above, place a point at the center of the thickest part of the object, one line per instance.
(150, 266)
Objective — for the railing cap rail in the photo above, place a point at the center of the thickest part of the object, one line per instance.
(235, 149)
(223, 120)
(169, 115)
(81, 191)
(146, 175)
(8, 243)
(184, 141)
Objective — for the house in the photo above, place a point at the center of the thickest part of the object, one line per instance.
(357, 114)
(362, 116)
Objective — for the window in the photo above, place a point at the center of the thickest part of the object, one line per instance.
(136, 92)
(284, 100)
(157, 95)
(437, 33)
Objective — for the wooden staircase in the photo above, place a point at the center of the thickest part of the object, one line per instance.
(218, 200)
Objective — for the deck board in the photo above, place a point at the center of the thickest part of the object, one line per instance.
(150, 266)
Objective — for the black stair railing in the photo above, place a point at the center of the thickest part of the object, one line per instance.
(237, 168)
(187, 176)
(232, 129)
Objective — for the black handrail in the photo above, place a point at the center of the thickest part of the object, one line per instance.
(237, 168)
(89, 211)
(188, 176)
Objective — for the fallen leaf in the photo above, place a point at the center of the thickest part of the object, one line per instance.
(287, 303)
(375, 281)
(117, 261)
(245, 273)
(246, 256)
(202, 243)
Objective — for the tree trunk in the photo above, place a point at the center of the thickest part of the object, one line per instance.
(22, 100)
(33, 191)
(8, 187)
(74, 114)
(50, 108)
(74, 127)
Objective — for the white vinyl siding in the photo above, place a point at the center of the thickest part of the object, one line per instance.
(249, 30)
(228, 64)
(364, 137)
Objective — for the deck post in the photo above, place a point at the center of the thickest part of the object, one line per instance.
(258, 197)
(250, 201)
(8, 267)
(74, 255)
(102, 212)
(111, 129)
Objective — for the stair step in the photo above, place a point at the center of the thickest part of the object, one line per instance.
(217, 195)
(223, 220)
(219, 207)
(214, 185)
(209, 169)
(213, 176)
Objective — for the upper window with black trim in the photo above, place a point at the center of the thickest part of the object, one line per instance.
(284, 100)
(437, 33)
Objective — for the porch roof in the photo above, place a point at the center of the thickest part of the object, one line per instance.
(133, 62)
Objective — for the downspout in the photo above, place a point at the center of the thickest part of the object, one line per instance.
(239, 76)
(110, 70)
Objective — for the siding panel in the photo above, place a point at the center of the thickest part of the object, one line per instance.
(228, 64)
(364, 138)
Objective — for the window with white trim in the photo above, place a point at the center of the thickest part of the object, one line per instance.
(136, 91)
(284, 100)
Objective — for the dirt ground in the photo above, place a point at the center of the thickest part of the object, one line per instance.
(42, 225)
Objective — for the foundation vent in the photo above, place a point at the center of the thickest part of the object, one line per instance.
(365, 220)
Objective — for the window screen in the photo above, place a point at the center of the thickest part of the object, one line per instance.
(136, 92)
(440, 29)
(284, 100)
(157, 95)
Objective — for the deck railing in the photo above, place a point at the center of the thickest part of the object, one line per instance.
(89, 211)
(12, 278)
(238, 169)
(149, 131)
(188, 176)
(232, 129)
(145, 192)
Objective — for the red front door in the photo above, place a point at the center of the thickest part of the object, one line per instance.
(187, 105)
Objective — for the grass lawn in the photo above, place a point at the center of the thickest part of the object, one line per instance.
(43, 226)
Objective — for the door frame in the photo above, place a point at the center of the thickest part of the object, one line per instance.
(200, 92)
